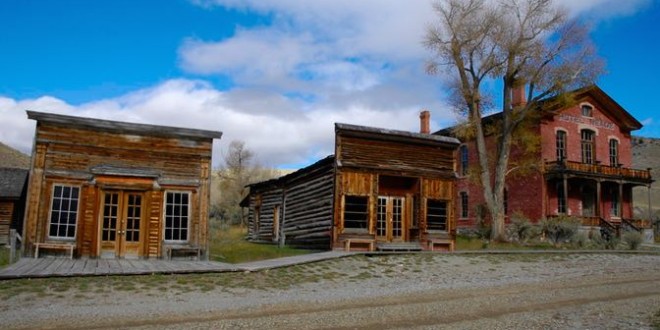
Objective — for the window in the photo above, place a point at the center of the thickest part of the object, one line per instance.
(561, 145)
(356, 215)
(561, 199)
(506, 201)
(177, 216)
(587, 146)
(63, 212)
(464, 204)
(614, 152)
(615, 205)
(587, 111)
(436, 214)
(464, 160)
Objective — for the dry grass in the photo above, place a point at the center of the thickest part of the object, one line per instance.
(228, 244)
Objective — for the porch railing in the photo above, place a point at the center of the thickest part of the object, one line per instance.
(597, 169)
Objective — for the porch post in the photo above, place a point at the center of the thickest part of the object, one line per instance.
(565, 187)
(599, 210)
(650, 206)
(619, 205)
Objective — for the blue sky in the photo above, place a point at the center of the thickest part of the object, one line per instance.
(276, 74)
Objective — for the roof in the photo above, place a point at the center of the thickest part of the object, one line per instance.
(122, 127)
(390, 134)
(12, 182)
(610, 106)
(12, 158)
(283, 180)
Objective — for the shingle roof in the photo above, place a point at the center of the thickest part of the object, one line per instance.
(12, 181)
(12, 158)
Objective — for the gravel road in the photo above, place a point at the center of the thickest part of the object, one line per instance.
(424, 291)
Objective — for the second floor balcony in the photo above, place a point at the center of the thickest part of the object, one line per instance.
(577, 169)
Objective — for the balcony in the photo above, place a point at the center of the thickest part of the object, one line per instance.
(577, 169)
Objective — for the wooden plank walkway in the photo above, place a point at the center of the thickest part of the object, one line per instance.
(61, 267)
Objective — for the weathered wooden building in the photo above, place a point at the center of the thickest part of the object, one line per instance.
(382, 189)
(109, 189)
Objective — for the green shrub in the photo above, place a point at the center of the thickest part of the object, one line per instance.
(633, 239)
(601, 242)
(560, 229)
(521, 229)
(580, 241)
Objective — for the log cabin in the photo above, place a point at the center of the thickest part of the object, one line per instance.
(583, 167)
(381, 190)
(110, 189)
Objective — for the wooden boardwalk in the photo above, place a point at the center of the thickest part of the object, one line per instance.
(62, 267)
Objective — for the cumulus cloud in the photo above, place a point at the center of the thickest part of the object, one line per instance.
(313, 63)
(278, 140)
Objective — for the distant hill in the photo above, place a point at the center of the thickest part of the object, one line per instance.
(646, 154)
(12, 158)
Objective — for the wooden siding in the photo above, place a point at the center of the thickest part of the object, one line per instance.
(304, 205)
(307, 213)
(395, 156)
(6, 214)
(170, 157)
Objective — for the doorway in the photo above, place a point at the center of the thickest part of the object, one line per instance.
(121, 224)
(389, 218)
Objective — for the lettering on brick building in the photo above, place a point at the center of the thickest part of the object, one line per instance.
(590, 121)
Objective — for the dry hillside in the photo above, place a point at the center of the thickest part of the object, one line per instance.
(12, 158)
(646, 154)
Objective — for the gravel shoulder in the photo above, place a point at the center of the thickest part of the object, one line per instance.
(604, 291)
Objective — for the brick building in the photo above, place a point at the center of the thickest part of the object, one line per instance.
(582, 167)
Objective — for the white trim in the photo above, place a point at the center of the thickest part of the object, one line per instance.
(189, 218)
(50, 212)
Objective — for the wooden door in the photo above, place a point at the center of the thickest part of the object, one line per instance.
(390, 218)
(121, 224)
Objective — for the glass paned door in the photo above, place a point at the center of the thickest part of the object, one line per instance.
(389, 218)
(121, 224)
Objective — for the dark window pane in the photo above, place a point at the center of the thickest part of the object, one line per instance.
(66, 192)
(168, 234)
(71, 230)
(184, 234)
(53, 230)
(74, 192)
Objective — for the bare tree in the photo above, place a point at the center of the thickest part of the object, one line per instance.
(526, 43)
(238, 170)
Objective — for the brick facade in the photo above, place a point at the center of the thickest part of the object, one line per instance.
(598, 183)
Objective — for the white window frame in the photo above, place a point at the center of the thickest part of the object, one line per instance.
(187, 216)
(50, 212)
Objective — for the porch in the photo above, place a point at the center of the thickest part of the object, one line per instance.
(64, 267)
(599, 194)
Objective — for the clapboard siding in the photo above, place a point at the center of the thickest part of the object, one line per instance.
(106, 158)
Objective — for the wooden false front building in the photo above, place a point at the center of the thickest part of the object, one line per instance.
(382, 189)
(108, 189)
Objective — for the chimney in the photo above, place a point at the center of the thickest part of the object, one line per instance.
(518, 97)
(424, 122)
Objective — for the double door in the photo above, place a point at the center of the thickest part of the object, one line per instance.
(122, 224)
(390, 218)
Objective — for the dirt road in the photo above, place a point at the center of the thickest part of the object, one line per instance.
(576, 292)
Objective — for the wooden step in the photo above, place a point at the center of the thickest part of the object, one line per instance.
(397, 247)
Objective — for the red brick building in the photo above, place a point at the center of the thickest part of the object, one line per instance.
(583, 167)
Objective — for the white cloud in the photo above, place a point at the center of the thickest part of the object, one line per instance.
(277, 139)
